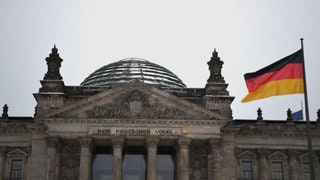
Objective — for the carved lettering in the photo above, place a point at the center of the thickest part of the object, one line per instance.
(103, 131)
(163, 131)
(134, 131)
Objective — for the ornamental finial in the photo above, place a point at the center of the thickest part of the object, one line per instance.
(5, 111)
(215, 66)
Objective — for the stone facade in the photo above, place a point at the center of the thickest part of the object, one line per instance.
(74, 125)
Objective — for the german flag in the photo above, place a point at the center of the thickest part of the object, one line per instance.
(282, 77)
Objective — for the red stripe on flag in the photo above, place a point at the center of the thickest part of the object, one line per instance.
(289, 71)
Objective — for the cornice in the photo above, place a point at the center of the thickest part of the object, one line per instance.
(20, 128)
(121, 122)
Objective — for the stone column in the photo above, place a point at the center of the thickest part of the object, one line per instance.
(216, 156)
(183, 144)
(117, 144)
(293, 165)
(263, 164)
(52, 158)
(85, 158)
(152, 164)
(2, 160)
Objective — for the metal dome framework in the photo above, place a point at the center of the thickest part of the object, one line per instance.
(129, 69)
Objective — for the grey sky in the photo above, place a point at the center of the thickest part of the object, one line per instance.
(179, 35)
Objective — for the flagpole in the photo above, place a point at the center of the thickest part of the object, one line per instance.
(312, 171)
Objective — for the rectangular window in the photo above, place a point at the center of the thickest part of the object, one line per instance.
(166, 165)
(16, 170)
(134, 163)
(277, 170)
(246, 169)
(306, 171)
(102, 163)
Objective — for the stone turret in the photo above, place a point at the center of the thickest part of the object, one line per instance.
(215, 66)
(217, 97)
(51, 93)
(52, 81)
(54, 64)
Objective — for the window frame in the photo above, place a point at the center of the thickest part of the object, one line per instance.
(243, 176)
(278, 157)
(277, 170)
(246, 155)
(20, 169)
(16, 155)
(304, 158)
(304, 173)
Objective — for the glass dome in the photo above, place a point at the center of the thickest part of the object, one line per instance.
(130, 69)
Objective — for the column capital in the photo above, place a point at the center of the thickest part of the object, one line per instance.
(183, 142)
(152, 141)
(3, 149)
(293, 153)
(262, 153)
(117, 141)
(214, 143)
(53, 141)
(85, 141)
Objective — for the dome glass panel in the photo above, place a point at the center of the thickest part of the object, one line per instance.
(129, 69)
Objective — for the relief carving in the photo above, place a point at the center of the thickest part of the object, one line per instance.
(135, 100)
(135, 104)
(69, 162)
(198, 163)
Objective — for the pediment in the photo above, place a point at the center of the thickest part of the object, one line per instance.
(277, 155)
(135, 100)
(247, 155)
(17, 153)
(305, 157)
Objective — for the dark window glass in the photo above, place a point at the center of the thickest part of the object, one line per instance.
(16, 170)
(102, 164)
(246, 168)
(306, 171)
(165, 163)
(277, 170)
(134, 166)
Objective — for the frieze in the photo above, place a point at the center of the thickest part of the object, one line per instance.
(144, 122)
(133, 131)
(274, 131)
(20, 128)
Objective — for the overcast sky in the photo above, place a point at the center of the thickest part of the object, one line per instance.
(177, 34)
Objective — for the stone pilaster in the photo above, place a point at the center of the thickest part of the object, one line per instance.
(263, 164)
(2, 160)
(53, 158)
(117, 145)
(176, 159)
(293, 165)
(216, 156)
(183, 166)
(152, 145)
(85, 158)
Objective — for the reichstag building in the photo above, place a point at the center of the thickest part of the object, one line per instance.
(135, 120)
